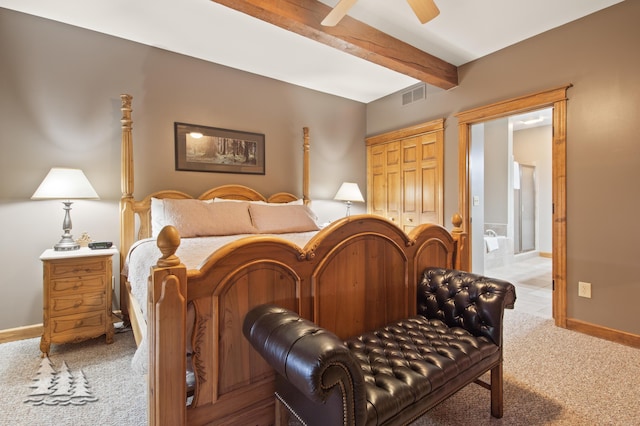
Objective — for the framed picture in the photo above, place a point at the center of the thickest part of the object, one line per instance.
(210, 149)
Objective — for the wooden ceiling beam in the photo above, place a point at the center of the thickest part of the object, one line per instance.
(351, 36)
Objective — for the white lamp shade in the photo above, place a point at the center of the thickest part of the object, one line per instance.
(349, 191)
(65, 184)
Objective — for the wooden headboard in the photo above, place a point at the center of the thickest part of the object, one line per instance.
(135, 215)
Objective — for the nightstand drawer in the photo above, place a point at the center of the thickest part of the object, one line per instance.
(73, 268)
(79, 284)
(77, 303)
(79, 325)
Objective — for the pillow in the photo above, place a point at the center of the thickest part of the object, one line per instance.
(198, 218)
(298, 202)
(157, 216)
(282, 218)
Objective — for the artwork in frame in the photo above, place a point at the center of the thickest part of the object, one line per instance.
(211, 149)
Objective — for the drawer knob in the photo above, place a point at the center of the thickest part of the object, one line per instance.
(79, 323)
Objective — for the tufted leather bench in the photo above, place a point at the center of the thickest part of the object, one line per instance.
(394, 374)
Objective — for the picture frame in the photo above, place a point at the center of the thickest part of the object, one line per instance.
(212, 149)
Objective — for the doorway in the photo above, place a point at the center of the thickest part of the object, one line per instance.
(511, 215)
(557, 99)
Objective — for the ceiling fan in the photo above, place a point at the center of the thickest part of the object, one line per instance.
(425, 10)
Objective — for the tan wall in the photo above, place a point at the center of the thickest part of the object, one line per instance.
(599, 56)
(60, 106)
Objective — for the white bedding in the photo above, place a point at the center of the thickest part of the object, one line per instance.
(193, 253)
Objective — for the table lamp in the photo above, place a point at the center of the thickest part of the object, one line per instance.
(65, 184)
(349, 192)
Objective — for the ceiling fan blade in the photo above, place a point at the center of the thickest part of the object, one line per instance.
(425, 10)
(338, 12)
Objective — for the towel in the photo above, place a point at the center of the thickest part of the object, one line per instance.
(491, 243)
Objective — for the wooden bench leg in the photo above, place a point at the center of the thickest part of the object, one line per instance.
(496, 391)
(282, 413)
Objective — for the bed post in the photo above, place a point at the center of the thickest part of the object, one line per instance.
(460, 260)
(167, 318)
(305, 166)
(127, 219)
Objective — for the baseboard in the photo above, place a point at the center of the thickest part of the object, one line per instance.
(606, 333)
(20, 333)
(546, 254)
(35, 330)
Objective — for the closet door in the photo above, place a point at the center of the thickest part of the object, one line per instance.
(422, 159)
(383, 180)
(405, 175)
(431, 178)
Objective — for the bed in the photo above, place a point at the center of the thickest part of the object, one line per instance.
(357, 273)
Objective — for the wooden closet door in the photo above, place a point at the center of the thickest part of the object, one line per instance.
(405, 175)
(431, 178)
(421, 180)
(384, 180)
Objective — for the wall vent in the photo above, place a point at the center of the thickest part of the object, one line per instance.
(413, 95)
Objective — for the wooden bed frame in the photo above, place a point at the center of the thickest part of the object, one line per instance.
(356, 274)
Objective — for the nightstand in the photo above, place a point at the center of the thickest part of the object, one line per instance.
(76, 296)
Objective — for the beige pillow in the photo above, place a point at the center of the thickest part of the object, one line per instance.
(157, 216)
(282, 218)
(197, 218)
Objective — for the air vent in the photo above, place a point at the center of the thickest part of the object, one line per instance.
(413, 95)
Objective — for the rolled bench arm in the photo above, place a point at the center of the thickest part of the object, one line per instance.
(463, 299)
(309, 357)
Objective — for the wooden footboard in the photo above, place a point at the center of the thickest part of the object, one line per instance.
(356, 274)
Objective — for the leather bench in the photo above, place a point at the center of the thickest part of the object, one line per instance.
(396, 373)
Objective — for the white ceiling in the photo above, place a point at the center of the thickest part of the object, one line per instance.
(464, 31)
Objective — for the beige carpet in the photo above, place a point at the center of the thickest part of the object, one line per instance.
(552, 377)
(106, 368)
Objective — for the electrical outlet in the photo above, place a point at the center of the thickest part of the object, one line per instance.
(584, 289)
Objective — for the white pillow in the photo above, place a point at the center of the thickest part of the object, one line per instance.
(157, 216)
(278, 218)
(198, 218)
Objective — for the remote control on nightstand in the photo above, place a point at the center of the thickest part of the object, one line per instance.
(100, 245)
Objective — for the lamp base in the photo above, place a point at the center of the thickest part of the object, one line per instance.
(65, 245)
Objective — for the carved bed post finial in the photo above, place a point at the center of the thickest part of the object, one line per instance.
(168, 242)
(456, 220)
(461, 254)
(305, 166)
